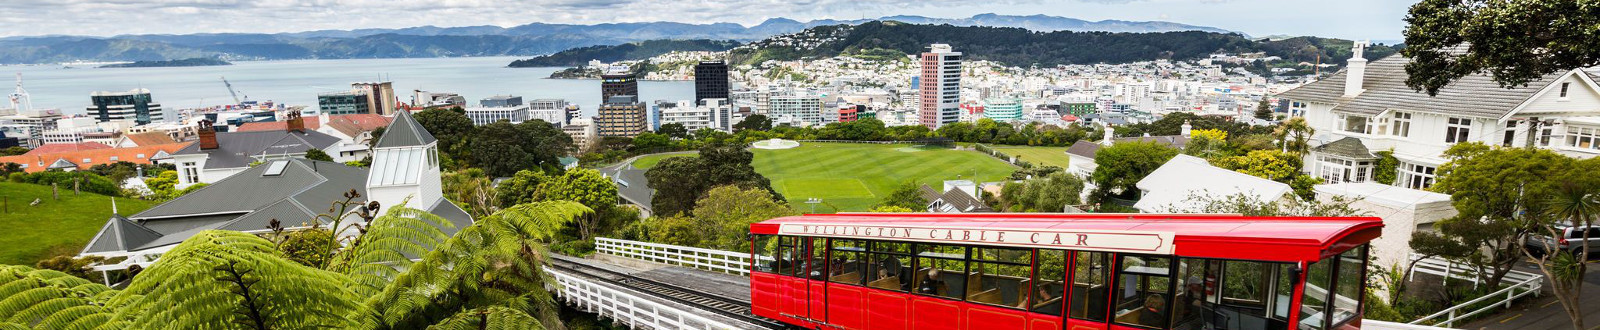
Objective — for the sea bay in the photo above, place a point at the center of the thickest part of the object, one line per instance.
(297, 82)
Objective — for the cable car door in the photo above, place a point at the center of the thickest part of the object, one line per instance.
(795, 288)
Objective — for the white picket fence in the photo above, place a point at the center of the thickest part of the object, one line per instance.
(1522, 284)
(625, 306)
(713, 260)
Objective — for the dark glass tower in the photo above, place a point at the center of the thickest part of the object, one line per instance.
(613, 84)
(710, 81)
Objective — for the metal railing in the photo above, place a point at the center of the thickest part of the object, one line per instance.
(736, 263)
(1523, 284)
(1381, 325)
(627, 307)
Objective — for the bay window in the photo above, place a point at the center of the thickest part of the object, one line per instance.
(1336, 170)
(1583, 137)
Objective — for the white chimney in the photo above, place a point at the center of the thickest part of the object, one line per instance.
(1107, 140)
(1356, 71)
(322, 120)
(1187, 128)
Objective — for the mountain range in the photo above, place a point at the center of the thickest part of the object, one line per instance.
(524, 40)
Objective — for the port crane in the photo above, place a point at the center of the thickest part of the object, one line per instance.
(236, 99)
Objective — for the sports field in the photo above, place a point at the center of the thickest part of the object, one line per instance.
(1052, 156)
(854, 177)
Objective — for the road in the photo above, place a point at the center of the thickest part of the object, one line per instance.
(1544, 312)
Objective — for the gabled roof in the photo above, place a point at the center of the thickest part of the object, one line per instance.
(149, 138)
(1384, 82)
(360, 121)
(140, 155)
(237, 149)
(1348, 147)
(62, 163)
(120, 234)
(404, 132)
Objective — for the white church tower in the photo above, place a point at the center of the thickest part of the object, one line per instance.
(405, 163)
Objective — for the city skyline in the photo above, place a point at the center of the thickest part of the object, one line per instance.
(1360, 19)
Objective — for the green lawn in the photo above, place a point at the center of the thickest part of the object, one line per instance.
(648, 161)
(1053, 156)
(853, 177)
(53, 227)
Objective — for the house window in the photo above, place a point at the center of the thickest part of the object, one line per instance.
(1357, 124)
(1564, 89)
(1337, 170)
(1415, 176)
(191, 172)
(140, 156)
(1511, 133)
(113, 158)
(1400, 125)
(1581, 137)
(1457, 130)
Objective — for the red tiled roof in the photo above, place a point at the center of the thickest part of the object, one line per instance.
(364, 122)
(141, 155)
(66, 147)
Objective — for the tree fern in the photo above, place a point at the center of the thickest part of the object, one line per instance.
(389, 244)
(493, 262)
(225, 279)
(494, 317)
(46, 299)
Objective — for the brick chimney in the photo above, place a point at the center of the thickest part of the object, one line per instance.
(208, 135)
(295, 124)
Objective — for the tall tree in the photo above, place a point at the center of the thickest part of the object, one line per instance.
(1515, 41)
(726, 213)
(1264, 109)
(754, 122)
(1049, 194)
(522, 188)
(498, 150)
(1120, 166)
(673, 130)
(13, 151)
(1294, 135)
(1499, 195)
(680, 181)
(318, 154)
(452, 129)
(907, 195)
(587, 187)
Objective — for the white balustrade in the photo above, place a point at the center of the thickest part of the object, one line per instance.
(627, 306)
(1522, 284)
(737, 263)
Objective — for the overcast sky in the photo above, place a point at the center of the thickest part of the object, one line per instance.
(1351, 19)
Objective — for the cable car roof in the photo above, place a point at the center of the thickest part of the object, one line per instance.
(1284, 239)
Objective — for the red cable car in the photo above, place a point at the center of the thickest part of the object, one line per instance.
(1060, 271)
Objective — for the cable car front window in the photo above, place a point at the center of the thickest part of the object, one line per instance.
(1314, 300)
(766, 250)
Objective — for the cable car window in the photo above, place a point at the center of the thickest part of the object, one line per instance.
(890, 267)
(1047, 282)
(818, 258)
(942, 271)
(1245, 284)
(999, 276)
(1189, 302)
(1282, 296)
(1091, 289)
(790, 257)
(849, 262)
(766, 248)
(1314, 300)
(1143, 291)
(1347, 293)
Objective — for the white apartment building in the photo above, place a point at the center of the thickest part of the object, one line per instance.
(553, 111)
(940, 86)
(715, 114)
(484, 116)
(1368, 108)
(583, 131)
(795, 108)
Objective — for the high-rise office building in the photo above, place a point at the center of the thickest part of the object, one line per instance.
(342, 103)
(500, 101)
(618, 83)
(380, 96)
(940, 87)
(622, 115)
(132, 105)
(710, 80)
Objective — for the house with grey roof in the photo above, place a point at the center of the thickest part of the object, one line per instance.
(219, 155)
(293, 191)
(958, 196)
(1368, 108)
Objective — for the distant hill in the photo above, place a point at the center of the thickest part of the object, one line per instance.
(1023, 47)
(430, 41)
(628, 51)
(198, 61)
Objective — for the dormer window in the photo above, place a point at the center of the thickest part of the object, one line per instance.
(1564, 87)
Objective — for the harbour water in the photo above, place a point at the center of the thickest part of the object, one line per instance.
(298, 82)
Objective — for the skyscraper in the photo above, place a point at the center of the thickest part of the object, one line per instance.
(380, 96)
(940, 87)
(622, 115)
(710, 80)
(132, 105)
(618, 83)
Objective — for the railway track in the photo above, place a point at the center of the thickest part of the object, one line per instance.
(723, 306)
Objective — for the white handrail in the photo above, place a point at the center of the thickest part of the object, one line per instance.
(736, 263)
(627, 307)
(1525, 284)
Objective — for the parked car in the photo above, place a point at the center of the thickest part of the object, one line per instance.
(1571, 240)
